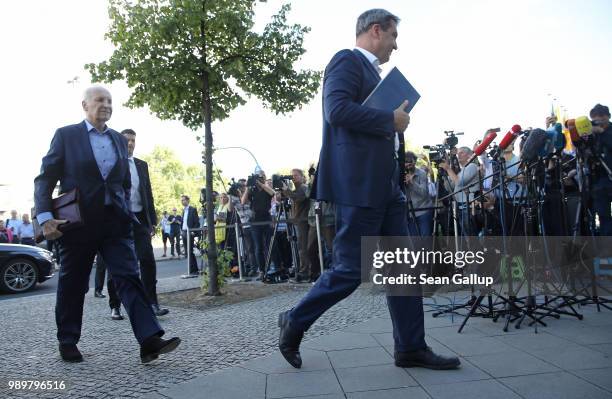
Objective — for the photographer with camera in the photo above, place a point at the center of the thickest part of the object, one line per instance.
(245, 214)
(602, 185)
(300, 204)
(420, 222)
(259, 196)
(464, 184)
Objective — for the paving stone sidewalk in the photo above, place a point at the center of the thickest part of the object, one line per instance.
(230, 352)
(212, 340)
(567, 359)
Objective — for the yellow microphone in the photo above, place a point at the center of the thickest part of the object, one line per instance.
(583, 126)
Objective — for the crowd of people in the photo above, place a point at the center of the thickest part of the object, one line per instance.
(17, 230)
(277, 236)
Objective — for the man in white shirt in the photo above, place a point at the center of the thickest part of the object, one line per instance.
(13, 224)
(190, 221)
(26, 231)
(464, 185)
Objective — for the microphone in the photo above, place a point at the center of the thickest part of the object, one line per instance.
(570, 125)
(555, 139)
(483, 146)
(534, 143)
(584, 126)
(509, 137)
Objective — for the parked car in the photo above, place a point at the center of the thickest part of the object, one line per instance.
(22, 266)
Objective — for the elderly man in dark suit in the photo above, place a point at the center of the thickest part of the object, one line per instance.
(361, 171)
(93, 158)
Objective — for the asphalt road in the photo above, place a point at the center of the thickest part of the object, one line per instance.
(167, 268)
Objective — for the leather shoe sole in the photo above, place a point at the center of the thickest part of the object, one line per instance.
(431, 366)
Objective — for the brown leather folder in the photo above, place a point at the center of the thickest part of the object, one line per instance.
(67, 207)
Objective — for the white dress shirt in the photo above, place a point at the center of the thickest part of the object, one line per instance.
(26, 230)
(185, 216)
(376, 64)
(135, 199)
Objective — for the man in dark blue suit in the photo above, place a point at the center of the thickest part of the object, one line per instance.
(93, 158)
(361, 171)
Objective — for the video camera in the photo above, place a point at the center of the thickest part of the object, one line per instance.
(278, 180)
(438, 152)
(234, 188)
(252, 180)
(451, 139)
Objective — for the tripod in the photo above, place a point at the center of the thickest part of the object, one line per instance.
(291, 236)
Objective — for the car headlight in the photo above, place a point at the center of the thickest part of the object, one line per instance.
(46, 254)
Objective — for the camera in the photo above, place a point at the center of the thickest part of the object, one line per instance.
(234, 189)
(437, 153)
(278, 180)
(252, 180)
(451, 139)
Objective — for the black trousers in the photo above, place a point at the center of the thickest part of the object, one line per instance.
(189, 247)
(175, 242)
(146, 260)
(100, 273)
(116, 245)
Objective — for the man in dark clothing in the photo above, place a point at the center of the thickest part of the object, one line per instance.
(190, 221)
(260, 198)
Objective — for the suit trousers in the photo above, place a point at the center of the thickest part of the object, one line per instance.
(100, 274)
(345, 274)
(189, 251)
(116, 245)
(146, 261)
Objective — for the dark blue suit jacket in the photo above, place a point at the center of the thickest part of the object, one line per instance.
(357, 157)
(71, 161)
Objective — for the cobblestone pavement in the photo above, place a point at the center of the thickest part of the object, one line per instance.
(212, 340)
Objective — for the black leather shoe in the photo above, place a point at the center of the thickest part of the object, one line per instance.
(426, 358)
(299, 279)
(289, 341)
(116, 314)
(154, 346)
(70, 353)
(99, 294)
(159, 311)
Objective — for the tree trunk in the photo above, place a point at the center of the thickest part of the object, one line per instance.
(213, 270)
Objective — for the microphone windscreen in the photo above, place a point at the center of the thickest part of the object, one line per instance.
(583, 126)
(570, 125)
(507, 140)
(516, 129)
(555, 139)
(534, 143)
(485, 143)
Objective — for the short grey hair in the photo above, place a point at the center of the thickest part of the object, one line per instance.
(466, 149)
(373, 17)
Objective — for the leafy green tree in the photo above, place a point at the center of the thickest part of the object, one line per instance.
(170, 179)
(197, 60)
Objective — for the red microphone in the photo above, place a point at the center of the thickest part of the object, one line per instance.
(510, 137)
(482, 146)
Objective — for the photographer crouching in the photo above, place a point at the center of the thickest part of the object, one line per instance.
(259, 196)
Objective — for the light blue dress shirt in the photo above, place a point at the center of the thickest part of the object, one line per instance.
(106, 157)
